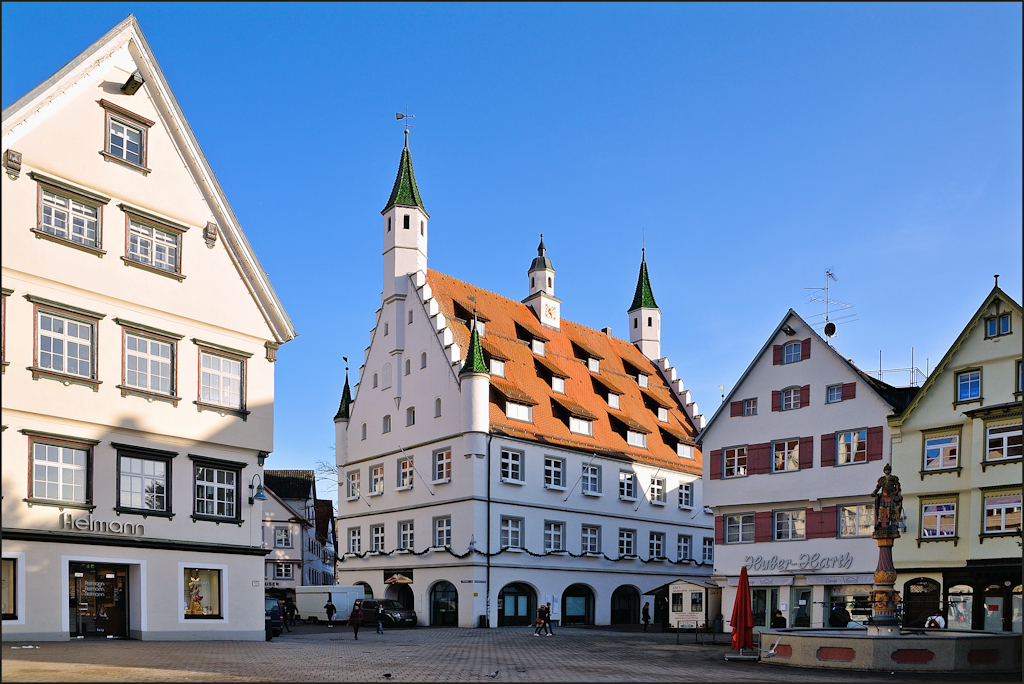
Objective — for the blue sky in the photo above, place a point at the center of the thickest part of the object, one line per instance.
(752, 146)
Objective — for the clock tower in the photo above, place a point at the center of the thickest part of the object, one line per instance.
(542, 289)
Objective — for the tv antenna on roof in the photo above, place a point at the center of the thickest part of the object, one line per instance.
(829, 321)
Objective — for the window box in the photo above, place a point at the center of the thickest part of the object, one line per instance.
(589, 493)
(557, 488)
(515, 482)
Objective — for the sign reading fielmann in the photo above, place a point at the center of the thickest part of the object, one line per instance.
(67, 522)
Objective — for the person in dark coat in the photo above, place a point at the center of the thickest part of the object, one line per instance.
(645, 615)
(839, 617)
(355, 618)
(547, 619)
(539, 622)
(330, 610)
(778, 622)
(290, 610)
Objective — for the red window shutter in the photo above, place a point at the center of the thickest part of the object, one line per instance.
(763, 526)
(813, 523)
(806, 452)
(735, 409)
(829, 525)
(805, 349)
(776, 400)
(828, 450)
(762, 458)
(716, 457)
(777, 355)
(875, 443)
(719, 530)
(805, 396)
(849, 390)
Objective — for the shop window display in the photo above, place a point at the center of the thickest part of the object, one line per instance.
(202, 593)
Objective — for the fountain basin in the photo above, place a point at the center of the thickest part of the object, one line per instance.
(929, 650)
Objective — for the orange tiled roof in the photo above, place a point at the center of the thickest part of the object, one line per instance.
(523, 383)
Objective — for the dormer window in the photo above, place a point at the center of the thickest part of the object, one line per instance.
(498, 368)
(558, 384)
(613, 400)
(684, 450)
(641, 380)
(516, 411)
(593, 365)
(581, 426)
(537, 346)
(637, 439)
(481, 328)
(663, 414)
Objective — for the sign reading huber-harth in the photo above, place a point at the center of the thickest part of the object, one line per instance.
(67, 522)
(805, 561)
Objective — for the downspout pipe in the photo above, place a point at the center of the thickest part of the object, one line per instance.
(488, 584)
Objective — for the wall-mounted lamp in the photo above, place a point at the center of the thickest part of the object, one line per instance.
(134, 82)
(261, 457)
(256, 490)
(788, 330)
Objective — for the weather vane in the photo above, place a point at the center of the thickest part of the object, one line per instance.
(404, 118)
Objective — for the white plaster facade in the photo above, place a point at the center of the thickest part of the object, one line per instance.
(284, 533)
(415, 400)
(821, 560)
(133, 555)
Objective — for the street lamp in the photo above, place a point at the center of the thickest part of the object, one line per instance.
(256, 490)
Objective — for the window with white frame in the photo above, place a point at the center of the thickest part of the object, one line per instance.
(221, 380)
(385, 424)
(851, 447)
(355, 540)
(65, 345)
(686, 495)
(627, 542)
(663, 414)
(791, 352)
(590, 539)
(511, 533)
(60, 472)
(735, 462)
(216, 492)
(405, 473)
(938, 520)
(554, 536)
(554, 472)
(833, 394)
(657, 545)
(593, 365)
(786, 455)
(581, 426)
(790, 525)
(637, 439)
(613, 400)
(442, 466)
(152, 246)
(148, 364)
(512, 466)
(590, 483)
(69, 219)
(353, 484)
(443, 532)
(968, 385)
(1004, 442)
(143, 483)
(538, 347)
(857, 520)
(126, 141)
(377, 538)
(684, 547)
(627, 485)
(739, 529)
(790, 398)
(940, 452)
(998, 325)
(377, 480)
(657, 491)
(1002, 512)
(750, 407)
(282, 570)
(498, 367)
(708, 550)
(641, 380)
(557, 384)
(516, 411)
(684, 450)
(410, 416)
(406, 535)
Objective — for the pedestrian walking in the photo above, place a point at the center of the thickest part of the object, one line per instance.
(645, 615)
(539, 622)
(290, 611)
(330, 610)
(355, 618)
(378, 614)
(547, 619)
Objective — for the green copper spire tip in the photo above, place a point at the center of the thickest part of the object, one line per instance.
(475, 356)
(405, 192)
(643, 298)
(346, 402)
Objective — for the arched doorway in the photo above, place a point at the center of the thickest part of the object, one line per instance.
(367, 590)
(517, 605)
(444, 605)
(959, 607)
(626, 606)
(403, 594)
(920, 601)
(578, 605)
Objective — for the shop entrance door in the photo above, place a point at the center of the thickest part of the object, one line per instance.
(764, 603)
(98, 600)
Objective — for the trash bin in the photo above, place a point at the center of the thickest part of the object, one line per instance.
(482, 622)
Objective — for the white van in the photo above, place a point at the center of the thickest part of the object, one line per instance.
(310, 602)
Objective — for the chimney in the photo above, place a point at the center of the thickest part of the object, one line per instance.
(607, 331)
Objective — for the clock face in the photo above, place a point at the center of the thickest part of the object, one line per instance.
(550, 312)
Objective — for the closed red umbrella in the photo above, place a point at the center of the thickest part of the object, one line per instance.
(742, 621)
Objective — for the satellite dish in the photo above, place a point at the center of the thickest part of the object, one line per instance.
(830, 329)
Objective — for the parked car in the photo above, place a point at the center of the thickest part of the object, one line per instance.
(275, 610)
(394, 614)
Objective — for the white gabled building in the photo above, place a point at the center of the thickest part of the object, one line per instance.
(790, 460)
(139, 332)
(313, 545)
(498, 455)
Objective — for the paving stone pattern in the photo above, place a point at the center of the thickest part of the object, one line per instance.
(321, 654)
